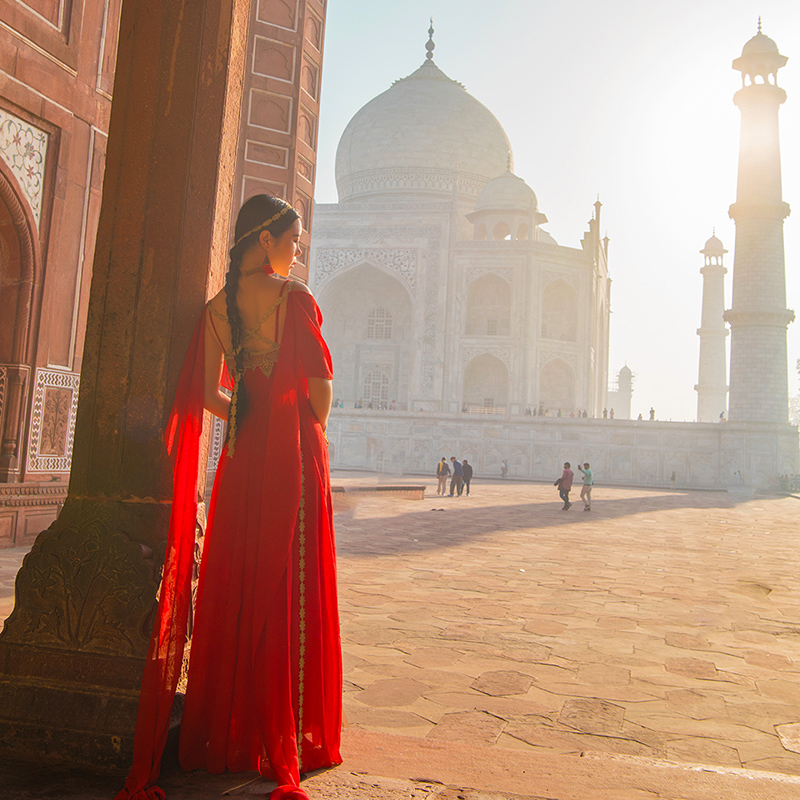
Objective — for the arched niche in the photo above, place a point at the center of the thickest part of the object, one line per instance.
(557, 386)
(559, 312)
(19, 268)
(488, 311)
(501, 230)
(480, 232)
(485, 383)
(368, 325)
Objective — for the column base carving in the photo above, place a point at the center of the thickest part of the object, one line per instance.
(72, 651)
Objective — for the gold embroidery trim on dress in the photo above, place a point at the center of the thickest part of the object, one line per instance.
(301, 660)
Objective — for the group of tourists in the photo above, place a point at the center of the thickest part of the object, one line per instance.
(564, 485)
(460, 474)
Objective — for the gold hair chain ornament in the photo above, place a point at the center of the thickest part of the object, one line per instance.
(286, 207)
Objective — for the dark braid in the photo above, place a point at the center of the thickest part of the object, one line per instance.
(255, 211)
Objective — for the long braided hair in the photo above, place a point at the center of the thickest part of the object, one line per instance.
(260, 212)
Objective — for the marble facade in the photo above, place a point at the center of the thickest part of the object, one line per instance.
(440, 288)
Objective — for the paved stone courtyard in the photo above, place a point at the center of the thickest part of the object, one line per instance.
(662, 624)
(490, 640)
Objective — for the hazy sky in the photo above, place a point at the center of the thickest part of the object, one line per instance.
(628, 99)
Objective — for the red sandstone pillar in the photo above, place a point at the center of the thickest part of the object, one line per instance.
(71, 653)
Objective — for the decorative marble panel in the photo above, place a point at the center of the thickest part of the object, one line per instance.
(313, 31)
(549, 276)
(270, 154)
(24, 149)
(473, 351)
(506, 273)
(272, 112)
(546, 356)
(273, 59)
(281, 13)
(309, 78)
(3, 385)
(307, 127)
(55, 403)
(333, 260)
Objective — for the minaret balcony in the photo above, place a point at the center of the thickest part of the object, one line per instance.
(754, 209)
(777, 319)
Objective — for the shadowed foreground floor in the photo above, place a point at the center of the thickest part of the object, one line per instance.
(501, 648)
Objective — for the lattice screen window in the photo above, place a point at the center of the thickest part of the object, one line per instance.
(379, 324)
(491, 327)
(376, 386)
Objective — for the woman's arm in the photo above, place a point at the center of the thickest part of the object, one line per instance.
(214, 400)
(320, 393)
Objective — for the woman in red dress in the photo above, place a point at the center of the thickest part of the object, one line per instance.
(265, 677)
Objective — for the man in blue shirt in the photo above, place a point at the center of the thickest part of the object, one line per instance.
(456, 482)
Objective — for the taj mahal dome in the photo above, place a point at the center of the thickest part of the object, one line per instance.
(459, 326)
(440, 289)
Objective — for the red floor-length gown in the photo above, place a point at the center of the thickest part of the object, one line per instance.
(265, 676)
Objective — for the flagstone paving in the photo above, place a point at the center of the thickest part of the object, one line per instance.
(661, 624)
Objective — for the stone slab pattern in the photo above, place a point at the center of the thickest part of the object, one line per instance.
(662, 624)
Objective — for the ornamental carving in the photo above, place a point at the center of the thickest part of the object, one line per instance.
(55, 404)
(411, 179)
(3, 384)
(546, 356)
(24, 149)
(403, 263)
(473, 351)
(549, 276)
(506, 273)
(86, 587)
(430, 254)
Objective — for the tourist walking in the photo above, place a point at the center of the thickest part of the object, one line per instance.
(586, 489)
(456, 482)
(504, 469)
(264, 685)
(442, 471)
(466, 474)
(564, 484)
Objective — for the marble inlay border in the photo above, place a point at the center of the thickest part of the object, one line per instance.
(51, 379)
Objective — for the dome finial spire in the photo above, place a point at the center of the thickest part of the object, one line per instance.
(759, 23)
(430, 46)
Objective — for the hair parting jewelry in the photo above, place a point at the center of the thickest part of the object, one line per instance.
(286, 207)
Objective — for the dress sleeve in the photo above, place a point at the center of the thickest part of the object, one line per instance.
(314, 358)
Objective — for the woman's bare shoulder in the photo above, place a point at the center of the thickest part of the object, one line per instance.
(299, 286)
(218, 304)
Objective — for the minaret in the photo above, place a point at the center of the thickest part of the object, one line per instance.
(712, 384)
(759, 317)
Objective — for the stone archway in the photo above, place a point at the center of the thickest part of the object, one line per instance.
(20, 267)
(368, 325)
(486, 384)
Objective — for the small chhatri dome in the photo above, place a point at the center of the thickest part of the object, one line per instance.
(713, 247)
(507, 192)
(760, 56)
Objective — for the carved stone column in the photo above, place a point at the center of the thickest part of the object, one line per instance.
(71, 653)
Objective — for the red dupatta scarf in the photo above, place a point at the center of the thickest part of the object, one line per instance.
(165, 655)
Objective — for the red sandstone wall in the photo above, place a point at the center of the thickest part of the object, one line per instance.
(280, 107)
(57, 61)
(56, 75)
